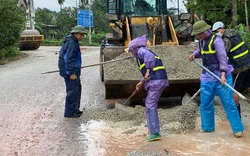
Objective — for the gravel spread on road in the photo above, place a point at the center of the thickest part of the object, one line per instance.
(178, 119)
(174, 120)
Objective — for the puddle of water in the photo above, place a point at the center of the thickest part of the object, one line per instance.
(110, 138)
(220, 142)
(93, 137)
(119, 138)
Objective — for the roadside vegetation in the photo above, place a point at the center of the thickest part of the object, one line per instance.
(56, 25)
(12, 23)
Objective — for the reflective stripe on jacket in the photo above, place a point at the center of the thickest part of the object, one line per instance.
(158, 71)
(208, 54)
(238, 54)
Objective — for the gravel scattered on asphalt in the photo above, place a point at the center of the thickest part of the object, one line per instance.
(179, 119)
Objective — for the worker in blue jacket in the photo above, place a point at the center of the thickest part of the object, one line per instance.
(156, 80)
(69, 64)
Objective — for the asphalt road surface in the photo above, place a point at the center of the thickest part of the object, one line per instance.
(32, 105)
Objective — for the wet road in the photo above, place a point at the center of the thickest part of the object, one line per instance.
(32, 122)
(32, 105)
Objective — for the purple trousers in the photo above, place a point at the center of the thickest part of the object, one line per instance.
(154, 93)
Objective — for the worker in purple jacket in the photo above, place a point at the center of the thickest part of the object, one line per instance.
(155, 77)
(211, 49)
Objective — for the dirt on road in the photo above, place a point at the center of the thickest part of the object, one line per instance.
(32, 122)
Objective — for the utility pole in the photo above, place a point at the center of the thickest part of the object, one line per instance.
(234, 14)
(30, 13)
(89, 26)
(178, 8)
(76, 12)
(246, 13)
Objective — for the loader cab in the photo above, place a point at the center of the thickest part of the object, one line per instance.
(118, 8)
(132, 18)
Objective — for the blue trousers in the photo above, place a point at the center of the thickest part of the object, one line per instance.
(208, 92)
(154, 94)
(73, 97)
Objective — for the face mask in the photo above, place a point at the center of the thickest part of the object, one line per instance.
(219, 34)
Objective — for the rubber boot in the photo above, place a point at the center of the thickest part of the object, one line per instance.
(239, 110)
(152, 137)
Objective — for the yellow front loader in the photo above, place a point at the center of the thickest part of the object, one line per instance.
(132, 18)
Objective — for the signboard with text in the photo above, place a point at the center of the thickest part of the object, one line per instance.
(85, 18)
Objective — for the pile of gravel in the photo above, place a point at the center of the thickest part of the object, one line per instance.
(179, 119)
(174, 58)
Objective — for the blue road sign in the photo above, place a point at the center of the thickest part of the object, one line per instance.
(85, 18)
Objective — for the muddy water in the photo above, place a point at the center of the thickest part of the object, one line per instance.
(108, 138)
(113, 137)
(220, 142)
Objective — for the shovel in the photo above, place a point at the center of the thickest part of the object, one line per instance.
(240, 95)
(93, 64)
(124, 106)
(133, 94)
(187, 99)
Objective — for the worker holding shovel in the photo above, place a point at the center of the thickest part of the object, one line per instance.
(155, 80)
(212, 51)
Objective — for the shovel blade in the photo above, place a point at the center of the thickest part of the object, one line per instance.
(124, 108)
(187, 99)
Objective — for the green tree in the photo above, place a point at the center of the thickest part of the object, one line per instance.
(212, 11)
(230, 12)
(45, 22)
(11, 25)
(99, 9)
(66, 20)
(101, 23)
(243, 13)
(61, 1)
(44, 16)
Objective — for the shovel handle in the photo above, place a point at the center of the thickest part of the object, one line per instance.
(91, 65)
(130, 97)
(240, 95)
(101, 63)
(194, 96)
(133, 94)
(196, 93)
